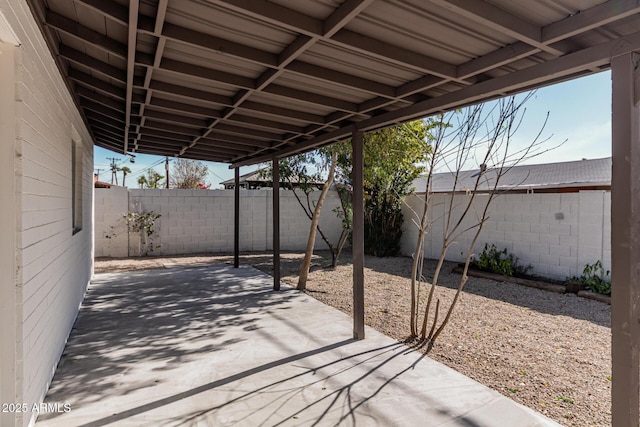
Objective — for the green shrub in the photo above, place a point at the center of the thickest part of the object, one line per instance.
(499, 262)
(594, 278)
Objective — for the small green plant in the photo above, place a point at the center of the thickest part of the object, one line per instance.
(594, 278)
(499, 262)
(143, 223)
(565, 399)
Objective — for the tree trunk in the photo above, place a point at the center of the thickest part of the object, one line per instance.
(306, 263)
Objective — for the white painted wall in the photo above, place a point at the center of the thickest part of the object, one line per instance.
(202, 221)
(53, 266)
(526, 225)
(9, 210)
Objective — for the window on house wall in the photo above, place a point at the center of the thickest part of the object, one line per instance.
(76, 184)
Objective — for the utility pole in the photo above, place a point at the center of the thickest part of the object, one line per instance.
(166, 169)
(114, 168)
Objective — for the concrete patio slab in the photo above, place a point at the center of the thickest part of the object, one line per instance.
(215, 346)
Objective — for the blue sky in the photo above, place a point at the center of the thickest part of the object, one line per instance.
(579, 112)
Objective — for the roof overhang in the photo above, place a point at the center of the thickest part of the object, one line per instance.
(242, 81)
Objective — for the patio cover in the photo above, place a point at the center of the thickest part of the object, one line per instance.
(238, 81)
(249, 81)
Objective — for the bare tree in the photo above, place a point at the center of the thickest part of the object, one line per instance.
(295, 174)
(315, 218)
(485, 134)
(187, 173)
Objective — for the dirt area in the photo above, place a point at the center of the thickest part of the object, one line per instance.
(548, 351)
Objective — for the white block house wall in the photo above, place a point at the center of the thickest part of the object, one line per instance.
(195, 221)
(557, 233)
(46, 245)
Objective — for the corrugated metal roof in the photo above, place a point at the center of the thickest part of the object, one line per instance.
(581, 173)
(240, 81)
(259, 176)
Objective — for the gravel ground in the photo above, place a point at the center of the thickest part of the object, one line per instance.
(550, 352)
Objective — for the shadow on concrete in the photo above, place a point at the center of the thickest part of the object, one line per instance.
(145, 316)
(215, 346)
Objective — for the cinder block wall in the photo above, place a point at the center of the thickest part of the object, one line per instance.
(53, 263)
(556, 233)
(110, 204)
(195, 221)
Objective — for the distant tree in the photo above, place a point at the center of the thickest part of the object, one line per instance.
(125, 170)
(187, 173)
(393, 158)
(153, 179)
(142, 181)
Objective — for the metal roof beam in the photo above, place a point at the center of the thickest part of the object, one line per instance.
(496, 59)
(84, 34)
(106, 130)
(561, 30)
(343, 15)
(132, 40)
(96, 115)
(499, 20)
(208, 74)
(190, 93)
(282, 112)
(176, 106)
(92, 63)
(220, 144)
(100, 108)
(108, 137)
(313, 98)
(266, 124)
(309, 29)
(99, 98)
(94, 123)
(187, 92)
(518, 80)
(217, 44)
(181, 130)
(97, 84)
(242, 131)
(176, 118)
(227, 152)
(588, 19)
(340, 78)
(144, 130)
(250, 142)
(395, 54)
(537, 75)
(110, 9)
(275, 14)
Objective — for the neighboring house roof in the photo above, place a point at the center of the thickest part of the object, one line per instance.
(580, 173)
(258, 176)
(102, 184)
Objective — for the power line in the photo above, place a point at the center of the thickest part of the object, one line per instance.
(151, 166)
